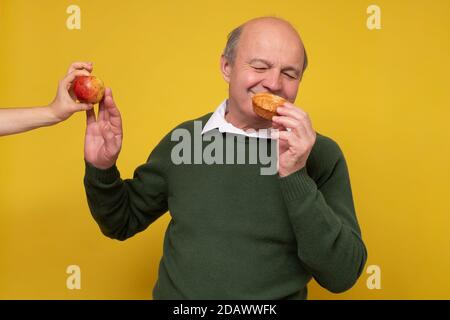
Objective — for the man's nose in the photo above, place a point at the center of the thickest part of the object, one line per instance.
(272, 81)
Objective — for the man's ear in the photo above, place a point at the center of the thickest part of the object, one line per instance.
(225, 68)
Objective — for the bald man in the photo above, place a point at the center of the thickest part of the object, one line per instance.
(236, 232)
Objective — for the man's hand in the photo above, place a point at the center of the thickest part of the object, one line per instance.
(294, 145)
(103, 139)
(65, 103)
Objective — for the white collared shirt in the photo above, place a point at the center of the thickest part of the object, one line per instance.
(217, 121)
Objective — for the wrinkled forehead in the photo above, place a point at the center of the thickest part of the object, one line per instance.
(277, 43)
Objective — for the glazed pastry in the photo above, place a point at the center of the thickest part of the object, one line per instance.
(265, 104)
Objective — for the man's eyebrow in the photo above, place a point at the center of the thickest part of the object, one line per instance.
(286, 68)
(261, 60)
(290, 68)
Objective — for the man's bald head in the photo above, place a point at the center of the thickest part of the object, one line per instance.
(260, 24)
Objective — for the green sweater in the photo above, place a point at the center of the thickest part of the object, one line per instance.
(234, 233)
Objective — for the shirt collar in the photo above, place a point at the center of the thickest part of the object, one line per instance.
(217, 121)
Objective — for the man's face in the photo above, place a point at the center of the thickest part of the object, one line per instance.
(269, 58)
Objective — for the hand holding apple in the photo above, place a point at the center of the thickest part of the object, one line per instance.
(64, 104)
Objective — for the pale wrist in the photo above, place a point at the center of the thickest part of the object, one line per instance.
(51, 114)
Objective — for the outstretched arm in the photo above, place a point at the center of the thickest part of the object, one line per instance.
(16, 120)
(120, 207)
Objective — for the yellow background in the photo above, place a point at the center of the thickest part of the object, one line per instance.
(383, 95)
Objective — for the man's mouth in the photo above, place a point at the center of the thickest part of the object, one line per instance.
(252, 93)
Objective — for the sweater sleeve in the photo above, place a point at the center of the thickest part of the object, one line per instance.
(323, 217)
(123, 208)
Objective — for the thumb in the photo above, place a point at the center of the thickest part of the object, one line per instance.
(84, 106)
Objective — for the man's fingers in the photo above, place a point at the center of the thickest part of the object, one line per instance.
(108, 91)
(292, 112)
(109, 113)
(90, 116)
(287, 122)
(291, 123)
(289, 105)
(112, 109)
(113, 115)
(80, 65)
(101, 110)
(287, 136)
(109, 100)
(278, 126)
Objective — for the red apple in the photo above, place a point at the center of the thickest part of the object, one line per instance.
(88, 89)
